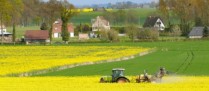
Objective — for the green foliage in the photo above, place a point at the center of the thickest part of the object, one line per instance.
(6, 9)
(173, 31)
(122, 17)
(109, 35)
(198, 22)
(205, 32)
(132, 31)
(188, 12)
(150, 34)
(66, 15)
(83, 28)
(65, 33)
(44, 26)
(103, 35)
(14, 34)
(120, 30)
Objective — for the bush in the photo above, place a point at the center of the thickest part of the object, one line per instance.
(109, 35)
(132, 31)
(148, 34)
(120, 30)
(205, 32)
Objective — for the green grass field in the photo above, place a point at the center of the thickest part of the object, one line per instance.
(20, 31)
(85, 17)
(190, 56)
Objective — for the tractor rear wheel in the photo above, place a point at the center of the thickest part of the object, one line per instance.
(122, 80)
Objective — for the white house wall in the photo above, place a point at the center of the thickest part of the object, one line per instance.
(195, 37)
(4, 30)
(72, 34)
(162, 26)
(56, 35)
(100, 24)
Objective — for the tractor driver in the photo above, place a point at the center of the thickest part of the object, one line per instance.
(146, 78)
(162, 72)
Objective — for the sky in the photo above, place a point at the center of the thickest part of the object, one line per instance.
(90, 2)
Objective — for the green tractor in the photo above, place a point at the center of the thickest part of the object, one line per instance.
(116, 77)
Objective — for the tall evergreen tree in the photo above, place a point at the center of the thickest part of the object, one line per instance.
(205, 32)
(67, 13)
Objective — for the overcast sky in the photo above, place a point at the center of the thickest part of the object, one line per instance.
(90, 2)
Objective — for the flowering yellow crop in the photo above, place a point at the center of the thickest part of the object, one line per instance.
(18, 59)
(92, 84)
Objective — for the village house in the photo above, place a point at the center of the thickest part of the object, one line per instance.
(196, 32)
(57, 29)
(100, 23)
(7, 37)
(154, 22)
(37, 36)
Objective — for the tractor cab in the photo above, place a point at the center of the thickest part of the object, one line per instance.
(117, 76)
(116, 73)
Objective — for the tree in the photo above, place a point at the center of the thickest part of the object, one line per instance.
(122, 17)
(6, 8)
(113, 36)
(131, 31)
(163, 8)
(17, 9)
(67, 12)
(189, 12)
(150, 34)
(44, 26)
(205, 32)
(86, 28)
(32, 12)
(175, 31)
(51, 12)
(109, 35)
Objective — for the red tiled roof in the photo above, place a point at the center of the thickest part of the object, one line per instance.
(36, 34)
(57, 28)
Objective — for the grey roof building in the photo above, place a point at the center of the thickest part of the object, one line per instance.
(196, 32)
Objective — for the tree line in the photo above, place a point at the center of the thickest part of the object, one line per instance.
(35, 12)
(189, 12)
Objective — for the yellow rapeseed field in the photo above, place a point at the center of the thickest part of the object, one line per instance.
(92, 84)
(18, 59)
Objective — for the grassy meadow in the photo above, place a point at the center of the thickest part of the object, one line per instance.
(181, 58)
(85, 17)
(20, 31)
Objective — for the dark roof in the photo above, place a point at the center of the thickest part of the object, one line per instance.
(150, 21)
(36, 34)
(197, 31)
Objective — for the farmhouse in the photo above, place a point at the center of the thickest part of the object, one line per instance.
(100, 23)
(57, 29)
(196, 32)
(154, 22)
(40, 36)
(7, 37)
